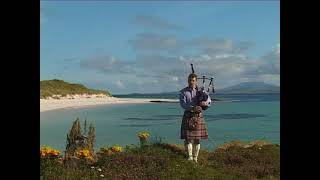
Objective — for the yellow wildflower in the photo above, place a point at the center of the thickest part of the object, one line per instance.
(84, 153)
(143, 134)
(116, 148)
(46, 150)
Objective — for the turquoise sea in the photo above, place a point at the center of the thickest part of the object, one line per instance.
(249, 117)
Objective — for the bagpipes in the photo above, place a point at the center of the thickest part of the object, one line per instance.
(203, 94)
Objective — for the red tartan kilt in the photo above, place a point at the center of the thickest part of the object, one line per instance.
(200, 131)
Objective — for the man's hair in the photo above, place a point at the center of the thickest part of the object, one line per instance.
(192, 75)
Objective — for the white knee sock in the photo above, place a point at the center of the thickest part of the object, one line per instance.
(190, 151)
(196, 149)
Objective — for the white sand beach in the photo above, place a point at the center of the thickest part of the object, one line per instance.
(63, 103)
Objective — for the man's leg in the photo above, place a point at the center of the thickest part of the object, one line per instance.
(196, 149)
(188, 148)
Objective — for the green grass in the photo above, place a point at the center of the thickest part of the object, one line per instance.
(168, 161)
(60, 87)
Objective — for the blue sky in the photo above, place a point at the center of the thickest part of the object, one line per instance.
(141, 46)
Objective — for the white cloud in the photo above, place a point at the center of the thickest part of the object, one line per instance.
(159, 73)
(277, 49)
(119, 84)
(219, 45)
(175, 78)
(155, 22)
(236, 67)
(221, 56)
(107, 65)
(155, 42)
(155, 81)
(270, 79)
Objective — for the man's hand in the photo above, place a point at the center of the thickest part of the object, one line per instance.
(198, 109)
(203, 103)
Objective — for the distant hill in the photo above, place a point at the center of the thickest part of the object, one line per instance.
(250, 88)
(60, 87)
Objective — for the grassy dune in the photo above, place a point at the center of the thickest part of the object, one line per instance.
(49, 88)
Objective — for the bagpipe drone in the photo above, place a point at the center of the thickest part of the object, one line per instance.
(203, 92)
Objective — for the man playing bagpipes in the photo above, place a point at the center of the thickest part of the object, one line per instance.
(193, 126)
